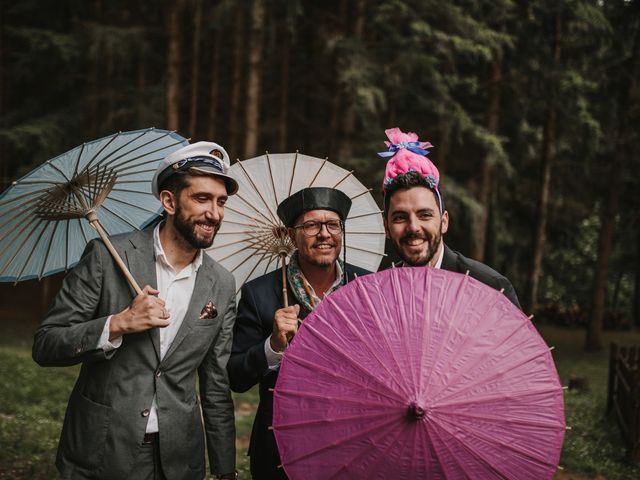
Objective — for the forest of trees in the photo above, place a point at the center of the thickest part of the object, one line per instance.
(533, 108)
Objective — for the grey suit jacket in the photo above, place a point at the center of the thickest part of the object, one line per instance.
(108, 409)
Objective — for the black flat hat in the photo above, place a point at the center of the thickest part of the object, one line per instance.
(313, 198)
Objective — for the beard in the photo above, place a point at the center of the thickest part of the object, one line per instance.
(422, 258)
(187, 229)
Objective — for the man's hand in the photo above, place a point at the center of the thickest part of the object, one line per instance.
(285, 326)
(146, 311)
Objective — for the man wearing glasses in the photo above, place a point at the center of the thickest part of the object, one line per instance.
(264, 325)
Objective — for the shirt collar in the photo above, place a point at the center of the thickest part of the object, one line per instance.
(440, 256)
(160, 256)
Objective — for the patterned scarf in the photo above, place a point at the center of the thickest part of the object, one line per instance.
(299, 284)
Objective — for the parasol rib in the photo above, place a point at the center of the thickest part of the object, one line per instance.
(29, 195)
(126, 190)
(332, 373)
(293, 173)
(433, 432)
(257, 190)
(449, 327)
(375, 440)
(310, 328)
(146, 153)
(486, 461)
(377, 212)
(494, 419)
(46, 256)
(401, 319)
(318, 172)
(64, 175)
(103, 160)
(266, 222)
(104, 207)
(17, 236)
(33, 249)
(478, 361)
(113, 137)
(14, 214)
(373, 311)
(346, 320)
(495, 375)
(137, 172)
(153, 161)
(124, 202)
(323, 421)
(273, 183)
(324, 396)
(362, 433)
(368, 190)
(461, 347)
(75, 168)
(343, 179)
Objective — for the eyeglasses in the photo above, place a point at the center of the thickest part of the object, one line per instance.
(312, 227)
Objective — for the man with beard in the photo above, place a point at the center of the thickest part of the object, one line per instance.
(414, 216)
(134, 412)
(264, 327)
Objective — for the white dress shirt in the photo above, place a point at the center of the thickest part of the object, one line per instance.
(175, 289)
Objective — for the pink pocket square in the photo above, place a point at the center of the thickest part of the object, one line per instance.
(209, 311)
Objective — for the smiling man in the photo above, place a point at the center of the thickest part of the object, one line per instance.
(264, 327)
(414, 216)
(134, 412)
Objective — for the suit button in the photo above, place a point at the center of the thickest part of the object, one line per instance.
(158, 373)
(145, 412)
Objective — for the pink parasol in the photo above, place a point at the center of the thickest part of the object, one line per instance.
(418, 373)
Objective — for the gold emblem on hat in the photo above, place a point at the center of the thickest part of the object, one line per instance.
(217, 153)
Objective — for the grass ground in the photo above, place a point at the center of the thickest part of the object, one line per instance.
(33, 399)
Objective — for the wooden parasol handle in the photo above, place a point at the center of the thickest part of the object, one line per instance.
(95, 223)
(285, 297)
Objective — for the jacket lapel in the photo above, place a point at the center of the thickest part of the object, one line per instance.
(141, 261)
(202, 292)
(449, 260)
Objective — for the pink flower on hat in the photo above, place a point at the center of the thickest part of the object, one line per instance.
(408, 154)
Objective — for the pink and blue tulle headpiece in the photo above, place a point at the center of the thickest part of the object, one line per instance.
(408, 154)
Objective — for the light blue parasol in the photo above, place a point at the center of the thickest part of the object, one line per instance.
(47, 215)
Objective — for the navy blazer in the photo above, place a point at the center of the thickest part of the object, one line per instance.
(259, 300)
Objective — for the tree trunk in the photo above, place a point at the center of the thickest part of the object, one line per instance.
(345, 149)
(636, 290)
(237, 78)
(283, 114)
(173, 66)
(337, 102)
(214, 87)
(195, 67)
(624, 151)
(605, 243)
(547, 160)
(486, 183)
(252, 113)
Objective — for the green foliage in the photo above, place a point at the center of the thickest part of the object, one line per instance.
(31, 413)
(594, 444)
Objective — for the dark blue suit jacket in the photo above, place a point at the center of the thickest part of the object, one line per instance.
(260, 298)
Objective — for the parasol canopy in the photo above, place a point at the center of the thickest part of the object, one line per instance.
(47, 215)
(418, 373)
(253, 241)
